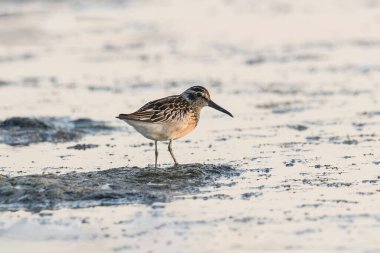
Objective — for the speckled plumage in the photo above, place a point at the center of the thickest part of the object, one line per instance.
(171, 117)
(173, 108)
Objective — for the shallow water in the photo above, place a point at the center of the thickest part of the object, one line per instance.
(301, 79)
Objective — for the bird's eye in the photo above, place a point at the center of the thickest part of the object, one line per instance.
(199, 94)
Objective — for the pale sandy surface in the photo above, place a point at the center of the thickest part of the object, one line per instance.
(302, 79)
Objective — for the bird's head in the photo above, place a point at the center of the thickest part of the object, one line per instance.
(199, 97)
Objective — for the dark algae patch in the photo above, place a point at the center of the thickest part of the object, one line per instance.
(23, 123)
(108, 187)
(83, 146)
(25, 131)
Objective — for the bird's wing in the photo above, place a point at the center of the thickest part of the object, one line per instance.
(160, 110)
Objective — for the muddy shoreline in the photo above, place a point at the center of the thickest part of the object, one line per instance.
(107, 187)
(296, 170)
(25, 131)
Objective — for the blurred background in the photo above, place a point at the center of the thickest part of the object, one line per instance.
(300, 77)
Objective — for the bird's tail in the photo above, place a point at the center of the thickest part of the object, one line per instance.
(122, 116)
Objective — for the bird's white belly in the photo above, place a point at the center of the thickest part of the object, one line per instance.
(162, 131)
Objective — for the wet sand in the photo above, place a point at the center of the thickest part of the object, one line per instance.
(296, 169)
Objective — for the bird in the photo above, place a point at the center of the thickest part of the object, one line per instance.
(172, 117)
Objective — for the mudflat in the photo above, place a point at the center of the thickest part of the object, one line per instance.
(297, 169)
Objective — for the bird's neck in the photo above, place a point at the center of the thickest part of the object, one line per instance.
(197, 110)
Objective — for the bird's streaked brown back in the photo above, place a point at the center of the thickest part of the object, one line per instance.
(161, 110)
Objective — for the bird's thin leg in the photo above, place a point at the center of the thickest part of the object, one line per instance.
(171, 152)
(156, 154)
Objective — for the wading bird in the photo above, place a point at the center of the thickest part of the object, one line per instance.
(172, 117)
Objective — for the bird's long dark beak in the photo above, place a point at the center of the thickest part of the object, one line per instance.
(219, 108)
